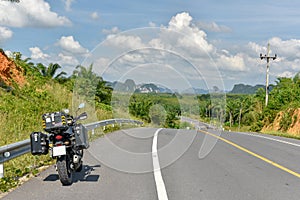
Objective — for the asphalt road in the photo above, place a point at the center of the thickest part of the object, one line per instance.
(234, 166)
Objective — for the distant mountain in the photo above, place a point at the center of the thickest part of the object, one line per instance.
(195, 91)
(245, 89)
(130, 86)
(152, 88)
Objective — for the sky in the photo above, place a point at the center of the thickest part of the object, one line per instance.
(178, 44)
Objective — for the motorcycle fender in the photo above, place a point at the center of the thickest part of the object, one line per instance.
(59, 151)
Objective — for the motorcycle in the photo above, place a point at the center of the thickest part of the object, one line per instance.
(66, 140)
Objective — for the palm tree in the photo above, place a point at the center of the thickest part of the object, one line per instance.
(92, 86)
(85, 82)
(103, 92)
(27, 66)
(50, 71)
(230, 109)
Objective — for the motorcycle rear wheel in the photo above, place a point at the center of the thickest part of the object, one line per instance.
(80, 167)
(64, 170)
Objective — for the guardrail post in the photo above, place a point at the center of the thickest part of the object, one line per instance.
(93, 132)
(1, 170)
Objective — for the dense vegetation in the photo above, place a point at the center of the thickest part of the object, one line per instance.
(159, 109)
(249, 111)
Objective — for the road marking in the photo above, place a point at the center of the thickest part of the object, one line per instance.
(160, 185)
(269, 138)
(254, 154)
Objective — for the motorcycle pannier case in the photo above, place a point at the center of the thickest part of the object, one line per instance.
(39, 143)
(55, 121)
(81, 137)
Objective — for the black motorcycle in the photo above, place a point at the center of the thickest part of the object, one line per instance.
(66, 140)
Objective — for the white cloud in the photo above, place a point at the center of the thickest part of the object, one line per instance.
(152, 24)
(67, 60)
(133, 58)
(184, 38)
(180, 34)
(114, 30)
(36, 53)
(157, 43)
(125, 41)
(94, 15)
(175, 44)
(33, 13)
(213, 26)
(180, 21)
(232, 63)
(287, 63)
(68, 44)
(100, 65)
(287, 74)
(68, 4)
(285, 48)
(192, 37)
(5, 33)
(257, 48)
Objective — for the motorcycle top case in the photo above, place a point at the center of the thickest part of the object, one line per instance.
(55, 121)
(39, 143)
(81, 137)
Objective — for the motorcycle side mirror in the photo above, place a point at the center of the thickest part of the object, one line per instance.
(81, 105)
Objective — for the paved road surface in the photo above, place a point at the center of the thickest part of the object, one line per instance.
(120, 166)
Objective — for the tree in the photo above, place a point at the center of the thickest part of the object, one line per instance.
(230, 109)
(103, 92)
(50, 71)
(28, 67)
(90, 85)
(85, 82)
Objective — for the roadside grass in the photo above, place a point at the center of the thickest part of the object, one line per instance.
(281, 134)
(237, 129)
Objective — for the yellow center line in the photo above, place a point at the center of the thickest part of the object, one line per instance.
(254, 154)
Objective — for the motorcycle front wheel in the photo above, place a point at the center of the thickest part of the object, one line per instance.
(64, 170)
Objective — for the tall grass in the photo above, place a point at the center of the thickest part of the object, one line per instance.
(20, 114)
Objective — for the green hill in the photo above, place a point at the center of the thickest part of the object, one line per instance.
(245, 89)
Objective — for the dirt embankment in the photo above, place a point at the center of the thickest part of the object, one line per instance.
(9, 72)
(293, 126)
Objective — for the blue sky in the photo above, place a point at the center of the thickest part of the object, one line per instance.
(232, 33)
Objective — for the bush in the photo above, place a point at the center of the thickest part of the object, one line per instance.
(286, 121)
(257, 126)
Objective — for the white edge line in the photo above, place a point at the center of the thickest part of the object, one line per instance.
(269, 138)
(160, 185)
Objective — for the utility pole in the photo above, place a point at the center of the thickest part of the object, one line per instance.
(267, 57)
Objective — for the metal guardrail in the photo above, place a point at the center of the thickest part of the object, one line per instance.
(14, 150)
(103, 123)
